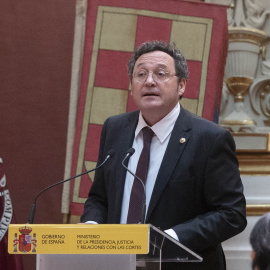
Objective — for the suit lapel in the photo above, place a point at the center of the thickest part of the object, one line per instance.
(171, 157)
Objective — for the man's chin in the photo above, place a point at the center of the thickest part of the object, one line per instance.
(151, 101)
(151, 106)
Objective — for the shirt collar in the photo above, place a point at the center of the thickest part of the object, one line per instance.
(164, 127)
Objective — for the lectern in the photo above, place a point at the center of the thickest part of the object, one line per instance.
(108, 246)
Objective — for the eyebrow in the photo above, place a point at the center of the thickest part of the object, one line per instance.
(159, 65)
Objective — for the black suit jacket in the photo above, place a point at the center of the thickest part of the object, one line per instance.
(198, 191)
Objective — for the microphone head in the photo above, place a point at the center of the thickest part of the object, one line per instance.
(111, 153)
(131, 151)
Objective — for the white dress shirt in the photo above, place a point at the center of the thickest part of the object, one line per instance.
(162, 130)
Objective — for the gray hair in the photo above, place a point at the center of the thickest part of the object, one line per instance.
(260, 242)
(181, 67)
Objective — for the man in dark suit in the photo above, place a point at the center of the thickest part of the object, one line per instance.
(193, 189)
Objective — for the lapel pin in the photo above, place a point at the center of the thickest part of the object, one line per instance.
(182, 140)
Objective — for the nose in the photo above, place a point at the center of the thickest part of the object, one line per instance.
(150, 80)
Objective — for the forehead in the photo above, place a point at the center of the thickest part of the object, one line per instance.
(155, 59)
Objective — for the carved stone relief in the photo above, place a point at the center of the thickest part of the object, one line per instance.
(245, 105)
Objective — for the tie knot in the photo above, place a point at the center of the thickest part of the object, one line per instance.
(148, 134)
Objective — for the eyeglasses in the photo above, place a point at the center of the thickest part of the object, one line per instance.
(158, 76)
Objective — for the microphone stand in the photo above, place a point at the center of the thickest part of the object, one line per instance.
(33, 208)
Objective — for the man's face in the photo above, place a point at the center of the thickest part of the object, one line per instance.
(155, 99)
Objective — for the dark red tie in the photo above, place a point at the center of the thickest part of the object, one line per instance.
(137, 192)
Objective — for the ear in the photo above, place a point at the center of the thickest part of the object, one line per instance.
(182, 87)
(252, 254)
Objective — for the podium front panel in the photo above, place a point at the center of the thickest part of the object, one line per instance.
(86, 262)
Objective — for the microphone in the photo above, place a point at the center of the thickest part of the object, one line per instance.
(130, 152)
(110, 154)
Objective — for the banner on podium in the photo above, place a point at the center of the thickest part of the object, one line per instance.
(78, 239)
